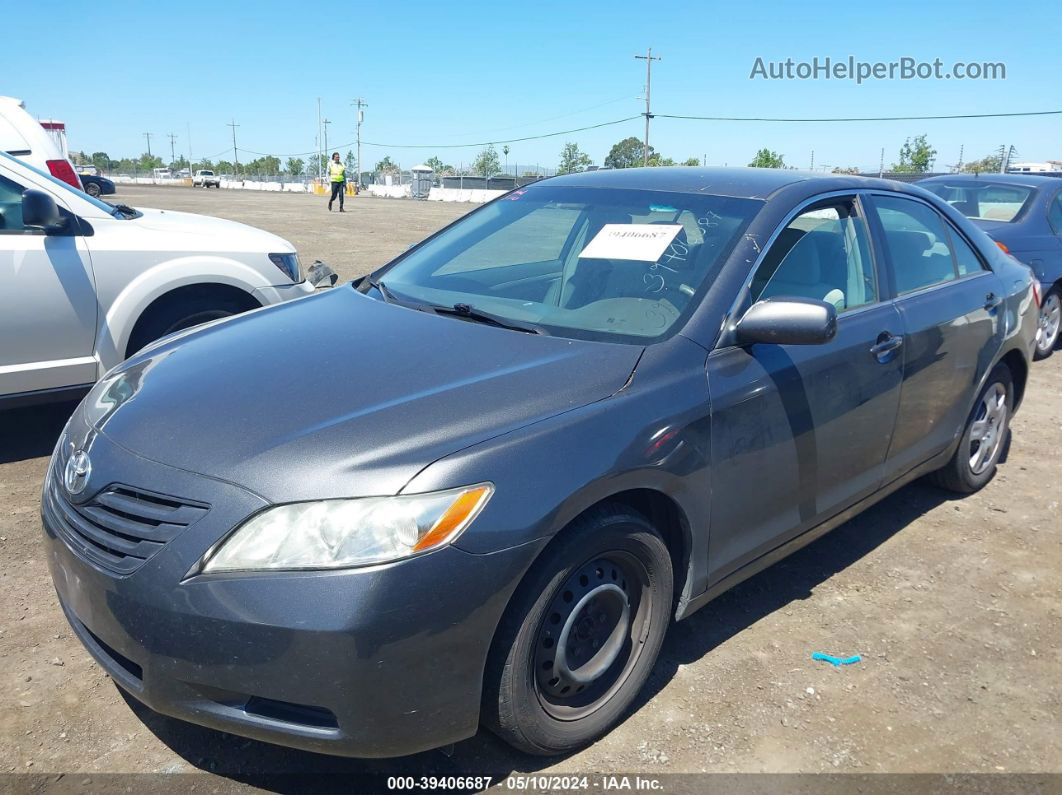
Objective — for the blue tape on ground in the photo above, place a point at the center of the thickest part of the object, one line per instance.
(818, 655)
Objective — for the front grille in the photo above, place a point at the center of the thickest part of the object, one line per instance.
(120, 527)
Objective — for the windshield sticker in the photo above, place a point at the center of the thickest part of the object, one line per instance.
(644, 242)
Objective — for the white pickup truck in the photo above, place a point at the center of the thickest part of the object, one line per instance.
(206, 178)
(85, 284)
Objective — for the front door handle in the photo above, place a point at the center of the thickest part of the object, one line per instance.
(887, 343)
(992, 301)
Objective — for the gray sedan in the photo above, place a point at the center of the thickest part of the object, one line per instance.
(530, 443)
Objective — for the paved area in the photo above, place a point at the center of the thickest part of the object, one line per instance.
(954, 604)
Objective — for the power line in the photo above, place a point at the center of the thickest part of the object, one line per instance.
(865, 118)
(669, 116)
(463, 146)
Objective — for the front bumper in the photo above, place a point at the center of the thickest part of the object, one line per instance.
(375, 662)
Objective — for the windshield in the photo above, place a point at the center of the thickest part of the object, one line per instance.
(107, 208)
(593, 263)
(983, 201)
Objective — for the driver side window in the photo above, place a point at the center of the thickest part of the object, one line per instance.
(11, 207)
(823, 253)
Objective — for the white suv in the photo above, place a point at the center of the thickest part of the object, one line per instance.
(85, 284)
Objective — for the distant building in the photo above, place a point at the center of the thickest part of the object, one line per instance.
(1047, 167)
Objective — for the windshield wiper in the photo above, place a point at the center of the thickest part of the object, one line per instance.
(479, 316)
(126, 210)
(384, 290)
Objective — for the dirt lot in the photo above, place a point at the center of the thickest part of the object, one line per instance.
(955, 606)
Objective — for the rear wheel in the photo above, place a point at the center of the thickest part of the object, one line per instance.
(983, 438)
(1050, 322)
(581, 634)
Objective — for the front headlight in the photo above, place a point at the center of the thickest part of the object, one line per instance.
(333, 534)
(289, 264)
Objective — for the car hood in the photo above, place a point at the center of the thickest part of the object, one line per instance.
(216, 234)
(342, 395)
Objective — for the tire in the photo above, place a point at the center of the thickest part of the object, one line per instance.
(607, 584)
(984, 437)
(1048, 332)
(92, 189)
(179, 315)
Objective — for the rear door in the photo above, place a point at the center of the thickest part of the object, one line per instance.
(800, 432)
(47, 301)
(950, 303)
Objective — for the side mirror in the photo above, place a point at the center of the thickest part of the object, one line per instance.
(788, 321)
(40, 210)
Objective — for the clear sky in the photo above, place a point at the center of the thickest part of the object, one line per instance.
(464, 72)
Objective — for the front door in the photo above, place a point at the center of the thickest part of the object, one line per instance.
(800, 432)
(47, 302)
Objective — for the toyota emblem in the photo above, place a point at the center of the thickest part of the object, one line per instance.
(76, 474)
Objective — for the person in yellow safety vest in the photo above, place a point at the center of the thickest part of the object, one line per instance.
(337, 173)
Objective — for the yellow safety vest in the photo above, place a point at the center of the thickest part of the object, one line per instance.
(337, 171)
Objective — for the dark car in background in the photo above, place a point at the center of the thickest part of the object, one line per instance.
(95, 185)
(581, 411)
(1023, 212)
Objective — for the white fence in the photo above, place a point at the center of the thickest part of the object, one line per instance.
(474, 195)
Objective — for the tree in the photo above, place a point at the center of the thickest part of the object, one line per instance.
(294, 166)
(387, 166)
(691, 161)
(626, 154)
(148, 162)
(348, 161)
(179, 163)
(572, 159)
(486, 163)
(765, 158)
(101, 161)
(225, 167)
(916, 156)
(986, 165)
(657, 159)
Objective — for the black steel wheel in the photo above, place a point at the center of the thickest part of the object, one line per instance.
(581, 634)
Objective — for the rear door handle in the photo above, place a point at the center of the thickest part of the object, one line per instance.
(992, 301)
(886, 344)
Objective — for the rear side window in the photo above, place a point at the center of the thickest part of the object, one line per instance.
(966, 260)
(1054, 215)
(917, 241)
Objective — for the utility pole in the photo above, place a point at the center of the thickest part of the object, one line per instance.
(148, 136)
(188, 129)
(648, 58)
(962, 148)
(359, 103)
(812, 160)
(317, 141)
(881, 164)
(326, 122)
(235, 156)
(173, 155)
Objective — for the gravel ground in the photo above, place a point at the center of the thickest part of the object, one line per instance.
(954, 604)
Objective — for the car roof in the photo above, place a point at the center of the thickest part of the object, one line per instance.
(753, 183)
(1025, 180)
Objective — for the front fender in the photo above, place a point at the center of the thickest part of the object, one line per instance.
(117, 322)
(653, 435)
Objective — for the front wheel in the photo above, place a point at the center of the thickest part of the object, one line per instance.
(92, 189)
(983, 437)
(581, 634)
(1050, 322)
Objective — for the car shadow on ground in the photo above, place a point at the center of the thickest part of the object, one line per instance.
(795, 578)
(31, 432)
